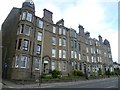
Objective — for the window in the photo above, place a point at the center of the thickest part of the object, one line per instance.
(87, 59)
(38, 49)
(60, 41)
(60, 53)
(64, 66)
(64, 54)
(29, 17)
(92, 59)
(75, 54)
(59, 66)
(16, 61)
(91, 50)
(72, 65)
(21, 28)
(78, 46)
(75, 65)
(40, 24)
(25, 44)
(39, 36)
(75, 44)
(87, 49)
(19, 44)
(75, 34)
(37, 62)
(53, 52)
(54, 29)
(64, 32)
(90, 42)
(64, 42)
(97, 51)
(53, 65)
(23, 15)
(79, 57)
(60, 30)
(23, 61)
(105, 54)
(27, 30)
(53, 41)
(72, 54)
(98, 59)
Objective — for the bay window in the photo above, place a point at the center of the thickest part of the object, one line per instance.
(23, 61)
(25, 44)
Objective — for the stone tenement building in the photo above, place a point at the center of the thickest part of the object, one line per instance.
(63, 49)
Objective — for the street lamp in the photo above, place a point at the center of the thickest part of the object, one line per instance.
(40, 64)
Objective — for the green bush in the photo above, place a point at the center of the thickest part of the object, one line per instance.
(108, 72)
(99, 72)
(112, 73)
(55, 73)
(78, 73)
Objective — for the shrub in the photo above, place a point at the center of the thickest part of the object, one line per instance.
(108, 72)
(78, 73)
(99, 72)
(55, 73)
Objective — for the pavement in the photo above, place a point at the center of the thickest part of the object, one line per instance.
(9, 84)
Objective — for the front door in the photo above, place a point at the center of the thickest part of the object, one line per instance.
(46, 67)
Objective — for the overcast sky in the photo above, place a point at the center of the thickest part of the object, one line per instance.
(99, 17)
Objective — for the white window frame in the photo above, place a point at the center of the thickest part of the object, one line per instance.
(75, 53)
(79, 57)
(60, 53)
(53, 40)
(53, 52)
(60, 41)
(53, 66)
(27, 32)
(40, 23)
(64, 54)
(29, 17)
(64, 31)
(60, 31)
(64, 42)
(72, 54)
(24, 15)
(25, 45)
(37, 61)
(23, 59)
(16, 61)
(87, 49)
(87, 58)
(54, 29)
(39, 36)
(38, 49)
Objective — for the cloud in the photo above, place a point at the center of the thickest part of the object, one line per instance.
(89, 13)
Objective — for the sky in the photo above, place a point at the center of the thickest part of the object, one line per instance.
(99, 17)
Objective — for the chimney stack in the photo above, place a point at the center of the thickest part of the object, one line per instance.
(47, 16)
(81, 29)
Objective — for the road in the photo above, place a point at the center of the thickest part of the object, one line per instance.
(101, 83)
